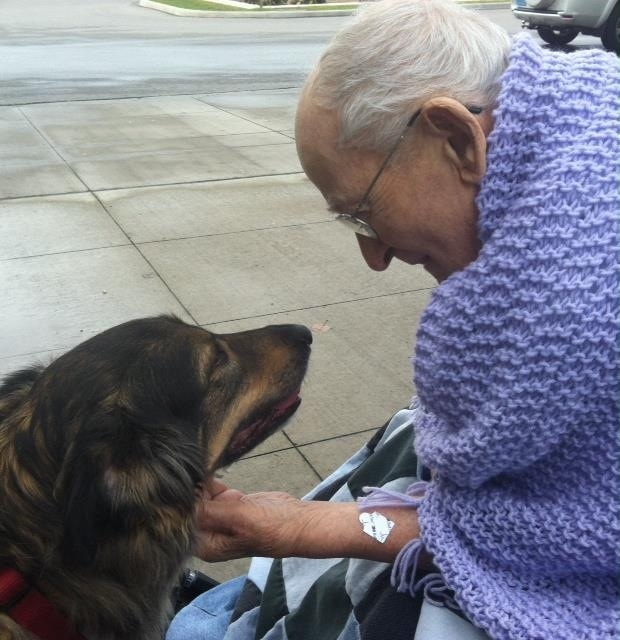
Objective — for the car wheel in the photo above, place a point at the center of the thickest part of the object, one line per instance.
(611, 31)
(558, 35)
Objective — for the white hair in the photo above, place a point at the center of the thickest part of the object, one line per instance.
(396, 54)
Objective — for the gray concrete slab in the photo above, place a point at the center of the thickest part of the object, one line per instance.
(10, 114)
(28, 164)
(143, 119)
(132, 137)
(273, 109)
(93, 111)
(277, 442)
(269, 271)
(327, 455)
(55, 224)
(20, 179)
(53, 302)
(127, 143)
(263, 473)
(214, 161)
(21, 143)
(151, 214)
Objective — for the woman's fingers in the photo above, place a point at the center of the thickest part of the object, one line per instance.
(215, 489)
(233, 524)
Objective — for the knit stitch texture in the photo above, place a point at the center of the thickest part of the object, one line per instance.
(517, 365)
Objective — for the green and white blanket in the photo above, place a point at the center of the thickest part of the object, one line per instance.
(344, 598)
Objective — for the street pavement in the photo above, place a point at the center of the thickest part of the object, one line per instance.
(85, 49)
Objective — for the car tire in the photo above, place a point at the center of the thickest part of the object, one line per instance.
(611, 31)
(558, 36)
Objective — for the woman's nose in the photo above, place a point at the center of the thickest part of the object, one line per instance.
(376, 254)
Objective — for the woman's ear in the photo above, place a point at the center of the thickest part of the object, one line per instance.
(463, 135)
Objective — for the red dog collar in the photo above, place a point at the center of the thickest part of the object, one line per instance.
(31, 610)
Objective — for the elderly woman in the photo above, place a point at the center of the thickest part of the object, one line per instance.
(496, 166)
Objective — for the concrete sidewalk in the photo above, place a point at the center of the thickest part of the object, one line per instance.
(196, 205)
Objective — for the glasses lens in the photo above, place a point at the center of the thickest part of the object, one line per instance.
(356, 225)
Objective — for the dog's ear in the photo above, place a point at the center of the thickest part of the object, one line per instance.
(14, 387)
(123, 474)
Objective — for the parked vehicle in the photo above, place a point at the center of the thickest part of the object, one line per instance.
(560, 21)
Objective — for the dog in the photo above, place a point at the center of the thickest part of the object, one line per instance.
(103, 454)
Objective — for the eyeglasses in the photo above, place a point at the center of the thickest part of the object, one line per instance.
(353, 220)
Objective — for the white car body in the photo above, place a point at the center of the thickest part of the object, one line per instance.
(591, 17)
(590, 14)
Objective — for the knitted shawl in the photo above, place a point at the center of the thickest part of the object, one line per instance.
(517, 367)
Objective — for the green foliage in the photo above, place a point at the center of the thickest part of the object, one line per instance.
(206, 5)
(200, 5)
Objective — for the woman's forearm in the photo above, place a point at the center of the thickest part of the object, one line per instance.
(333, 530)
(274, 524)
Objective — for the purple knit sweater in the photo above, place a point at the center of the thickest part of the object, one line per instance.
(517, 367)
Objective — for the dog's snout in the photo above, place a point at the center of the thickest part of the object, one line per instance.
(294, 333)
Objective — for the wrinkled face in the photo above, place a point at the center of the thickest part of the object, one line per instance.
(224, 393)
(420, 207)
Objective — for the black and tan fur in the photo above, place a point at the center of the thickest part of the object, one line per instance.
(103, 453)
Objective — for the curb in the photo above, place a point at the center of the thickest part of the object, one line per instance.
(198, 13)
(280, 13)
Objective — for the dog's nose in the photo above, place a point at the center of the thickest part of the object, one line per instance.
(294, 333)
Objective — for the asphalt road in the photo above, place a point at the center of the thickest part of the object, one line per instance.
(86, 49)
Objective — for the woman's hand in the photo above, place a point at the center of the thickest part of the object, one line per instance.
(275, 524)
(235, 525)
